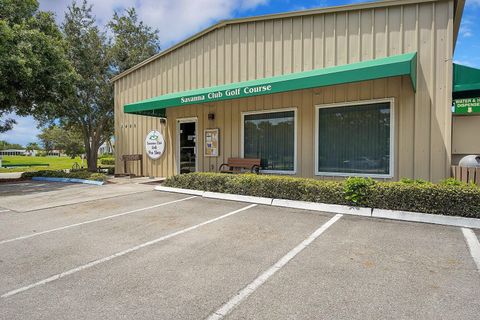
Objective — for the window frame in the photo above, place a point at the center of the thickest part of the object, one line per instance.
(391, 168)
(295, 136)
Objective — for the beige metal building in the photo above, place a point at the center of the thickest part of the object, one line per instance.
(363, 89)
(466, 112)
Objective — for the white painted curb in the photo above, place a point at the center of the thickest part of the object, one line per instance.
(316, 206)
(179, 190)
(237, 197)
(335, 208)
(426, 217)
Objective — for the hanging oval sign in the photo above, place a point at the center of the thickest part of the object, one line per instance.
(154, 144)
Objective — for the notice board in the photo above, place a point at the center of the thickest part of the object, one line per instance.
(212, 145)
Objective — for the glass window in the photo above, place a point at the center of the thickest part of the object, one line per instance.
(354, 139)
(270, 137)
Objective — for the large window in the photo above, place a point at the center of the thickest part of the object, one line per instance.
(270, 136)
(355, 140)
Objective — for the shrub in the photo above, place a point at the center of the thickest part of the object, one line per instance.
(452, 182)
(262, 186)
(443, 198)
(428, 198)
(357, 189)
(414, 181)
(107, 161)
(110, 170)
(98, 177)
(44, 173)
(79, 174)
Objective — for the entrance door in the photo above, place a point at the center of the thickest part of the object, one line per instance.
(187, 146)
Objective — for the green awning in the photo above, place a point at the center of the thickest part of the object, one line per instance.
(465, 78)
(394, 66)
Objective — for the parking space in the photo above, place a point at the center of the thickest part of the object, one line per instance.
(19, 224)
(96, 240)
(30, 187)
(37, 195)
(364, 269)
(155, 255)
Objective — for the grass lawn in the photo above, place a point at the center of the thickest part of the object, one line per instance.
(55, 163)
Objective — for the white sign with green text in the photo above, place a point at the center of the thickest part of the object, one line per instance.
(154, 144)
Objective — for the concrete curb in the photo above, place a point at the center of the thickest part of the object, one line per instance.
(69, 180)
(335, 208)
(179, 190)
(316, 206)
(427, 218)
(236, 197)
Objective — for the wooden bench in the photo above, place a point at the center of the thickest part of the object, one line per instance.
(130, 157)
(239, 165)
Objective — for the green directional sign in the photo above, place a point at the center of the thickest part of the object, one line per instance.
(466, 106)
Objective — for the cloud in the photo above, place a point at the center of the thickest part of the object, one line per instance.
(466, 27)
(23, 132)
(175, 20)
(251, 4)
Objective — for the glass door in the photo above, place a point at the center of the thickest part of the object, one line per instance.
(187, 154)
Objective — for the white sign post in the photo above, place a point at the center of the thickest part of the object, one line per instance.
(154, 144)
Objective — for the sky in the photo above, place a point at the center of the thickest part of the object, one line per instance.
(178, 19)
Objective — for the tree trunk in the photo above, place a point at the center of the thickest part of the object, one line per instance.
(91, 150)
(92, 158)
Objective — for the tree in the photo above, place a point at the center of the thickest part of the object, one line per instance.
(4, 145)
(90, 109)
(34, 71)
(63, 139)
(96, 59)
(31, 146)
(133, 42)
(49, 138)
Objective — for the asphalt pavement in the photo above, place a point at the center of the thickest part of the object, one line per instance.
(128, 252)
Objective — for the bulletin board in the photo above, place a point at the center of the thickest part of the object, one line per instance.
(212, 145)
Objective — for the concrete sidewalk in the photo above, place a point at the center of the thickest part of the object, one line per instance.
(10, 175)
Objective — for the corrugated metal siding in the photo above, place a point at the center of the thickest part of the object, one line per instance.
(465, 135)
(259, 49)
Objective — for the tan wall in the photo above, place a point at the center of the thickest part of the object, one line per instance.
(258, 49)
(465, 138)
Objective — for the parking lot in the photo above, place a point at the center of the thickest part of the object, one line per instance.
(127, 252)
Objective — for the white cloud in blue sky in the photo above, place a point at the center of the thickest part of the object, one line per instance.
(174, 20)
(25, 131)
(178, 19)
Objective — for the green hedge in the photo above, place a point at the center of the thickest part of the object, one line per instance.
(77, 174)
(448, 198)
(107, 161)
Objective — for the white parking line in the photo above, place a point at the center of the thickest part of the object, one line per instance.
(473, 245)
(260, 280)
(121, 253)
(92, 221)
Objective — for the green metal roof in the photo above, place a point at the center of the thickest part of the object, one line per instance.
(399, 65)
(465, 78)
